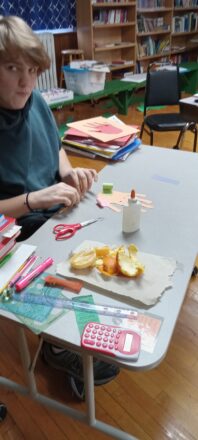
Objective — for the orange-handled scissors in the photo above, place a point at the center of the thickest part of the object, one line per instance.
(65, 231)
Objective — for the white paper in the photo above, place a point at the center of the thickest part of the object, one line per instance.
(146, 289)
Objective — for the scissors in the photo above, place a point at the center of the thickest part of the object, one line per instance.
(65, 231)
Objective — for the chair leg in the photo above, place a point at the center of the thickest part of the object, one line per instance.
(142, 129)
(181, 135)
(151, 137)
(195, 139)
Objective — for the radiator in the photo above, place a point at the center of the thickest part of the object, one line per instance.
(48, 79)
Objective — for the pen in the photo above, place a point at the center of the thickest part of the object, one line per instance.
(26, 280)
(28, 263)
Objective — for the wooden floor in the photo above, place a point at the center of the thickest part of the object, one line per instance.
(161, 404)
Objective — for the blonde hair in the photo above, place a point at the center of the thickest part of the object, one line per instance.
(18, 39)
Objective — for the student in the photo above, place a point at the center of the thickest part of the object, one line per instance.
(36, 177)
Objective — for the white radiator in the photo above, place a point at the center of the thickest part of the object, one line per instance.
(48, 79)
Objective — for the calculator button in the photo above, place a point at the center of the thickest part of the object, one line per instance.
(86, 335)
(90, 325)
(88, 330)
(99, 338)
(104, 345)
(102, 327)
(108, 329)
(94, 332)
(93, 336)
(100, 333)
(111, 346)
(114, 330)
(106, 334)
(117, 336)
(97, 326)
(111, 341)
(105, 339)
(89, 342)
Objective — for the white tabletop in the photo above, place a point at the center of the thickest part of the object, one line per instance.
(191, 100)
(170, 179)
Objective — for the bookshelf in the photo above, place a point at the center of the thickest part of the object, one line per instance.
(127, 36)
(166, 30)
(106, 31)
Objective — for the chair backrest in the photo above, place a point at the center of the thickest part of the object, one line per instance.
(48, 79)
(162, 87)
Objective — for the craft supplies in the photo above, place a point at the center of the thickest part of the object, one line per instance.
(75, 286)
(65, 231)
(107, 188)
(26, 280)
(131, 214)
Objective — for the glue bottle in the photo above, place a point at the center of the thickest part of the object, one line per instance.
(131, 214)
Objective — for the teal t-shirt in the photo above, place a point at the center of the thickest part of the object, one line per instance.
(29, 148)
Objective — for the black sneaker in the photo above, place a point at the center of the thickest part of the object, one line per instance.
(77, 387)
(72, 364)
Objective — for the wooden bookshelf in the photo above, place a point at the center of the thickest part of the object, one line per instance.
(166, 30)
(135, 34)
(106, 31)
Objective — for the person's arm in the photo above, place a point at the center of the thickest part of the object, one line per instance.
(14, 207)
(79, 178)
(58, 194)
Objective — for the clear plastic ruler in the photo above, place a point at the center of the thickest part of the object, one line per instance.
(61, 303)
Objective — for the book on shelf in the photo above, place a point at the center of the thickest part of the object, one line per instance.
(110, 16)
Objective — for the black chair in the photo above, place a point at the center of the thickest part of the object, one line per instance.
(163, 88)
(3, 412)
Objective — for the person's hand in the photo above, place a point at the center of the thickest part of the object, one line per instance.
(81, 179)
(61, 193)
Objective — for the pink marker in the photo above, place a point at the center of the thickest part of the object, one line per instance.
(18, 275)
(26, 280)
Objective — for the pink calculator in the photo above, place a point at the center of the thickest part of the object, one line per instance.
(111, 340)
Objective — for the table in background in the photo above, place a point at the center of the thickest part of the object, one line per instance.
(189, 108)
(121, 93)
(170, 179)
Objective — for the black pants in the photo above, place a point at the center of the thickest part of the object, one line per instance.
(30, 223)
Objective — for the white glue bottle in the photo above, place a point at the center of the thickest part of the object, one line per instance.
(131, 214)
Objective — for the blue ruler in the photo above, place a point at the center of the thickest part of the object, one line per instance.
(62, 303)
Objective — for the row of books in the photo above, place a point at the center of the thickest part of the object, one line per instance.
(111, 16)
(9, 231)
(185, 23)
(185, 3)
(150, 46)
(150, 4)
(109, 1)
(149, 24)
(108, 138)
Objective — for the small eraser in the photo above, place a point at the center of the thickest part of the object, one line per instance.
(107, 188)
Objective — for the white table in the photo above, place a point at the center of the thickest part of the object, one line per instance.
(189, 108)
(170, 179)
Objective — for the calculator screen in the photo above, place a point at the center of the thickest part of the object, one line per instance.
(128, 342)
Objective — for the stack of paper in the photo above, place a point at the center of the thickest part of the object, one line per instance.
(109, 138)
(9, 231)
